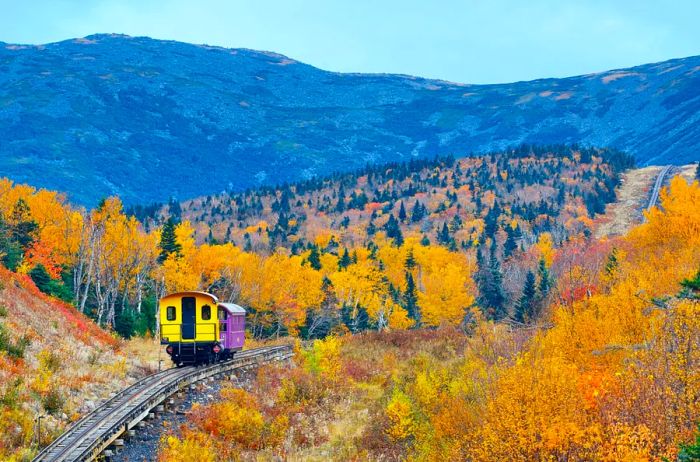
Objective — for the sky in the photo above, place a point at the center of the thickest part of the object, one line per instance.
(468, 41)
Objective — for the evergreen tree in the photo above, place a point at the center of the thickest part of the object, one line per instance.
(168, 241)
(443, 235)
(511, 245)
(418, 212)
(314, 258)
(410, 299)
(344, 260)
(23, 227)
(545, 280)
(402, 213)
(393, 231)
(424, 241)
(410, 261)
(525, 308)
(489, 279)
(9, 248)
(41, 278)
(612, 263)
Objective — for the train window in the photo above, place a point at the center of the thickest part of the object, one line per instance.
(223, 314)
(223, 327)
(206, 312)
(170, 313)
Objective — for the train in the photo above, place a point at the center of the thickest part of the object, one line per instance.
(198, 329)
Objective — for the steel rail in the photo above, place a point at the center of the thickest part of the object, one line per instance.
(657, 187)
(88, 437)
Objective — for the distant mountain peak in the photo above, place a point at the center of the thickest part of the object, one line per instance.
(148, 119)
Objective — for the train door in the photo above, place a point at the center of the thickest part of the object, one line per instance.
(189, 309)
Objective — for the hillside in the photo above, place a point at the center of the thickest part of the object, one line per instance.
(54, 362)
(515, 195)
(149, 119)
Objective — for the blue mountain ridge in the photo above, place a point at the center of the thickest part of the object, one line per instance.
(149, 119)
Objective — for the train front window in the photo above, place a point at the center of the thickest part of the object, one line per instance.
(170, 313)
(223, 327)
(223, 314)
(206, 312)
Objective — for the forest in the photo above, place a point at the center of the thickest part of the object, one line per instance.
(488, 322)
(608, 371)
(393, 246)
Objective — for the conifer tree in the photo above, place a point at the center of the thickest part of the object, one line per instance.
(410, 261)
(344, 260)
(489, 279)
(443, 236)
(168, 241)
(410, 299)
(418, 212)
(545, 280)
(402, 213)
(314, 258)
(525, 308)
(511, 245)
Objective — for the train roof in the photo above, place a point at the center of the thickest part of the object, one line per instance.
(194, 292)
(233, 308)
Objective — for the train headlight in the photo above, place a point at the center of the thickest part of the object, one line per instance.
(217, 349)
(169, 349)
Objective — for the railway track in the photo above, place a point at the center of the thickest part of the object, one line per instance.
(657, 186)
(86, 438)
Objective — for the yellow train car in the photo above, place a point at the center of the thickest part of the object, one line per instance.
(196, 328)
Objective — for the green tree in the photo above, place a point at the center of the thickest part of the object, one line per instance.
(168, 241)
(489, 278)
(314, 258)
(344, 261)
(525, 308)
(23, 227)
(402, 213)
(410, 261)
(511, 244)
(690, 452)
(545, 280)
(41, 278)
(410, 299)
(612, 263)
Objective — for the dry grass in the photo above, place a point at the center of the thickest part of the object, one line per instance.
(632, 196)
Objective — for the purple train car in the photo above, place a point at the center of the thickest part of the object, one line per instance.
(197, 329)
(231, 326)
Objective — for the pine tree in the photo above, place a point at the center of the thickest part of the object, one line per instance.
(402, 213)
(410, 299)
(525, 308)
(545, 279)
(443, 236)
(168, 241)
(314, 258)
(511, 245)
(424, 241)
(344, 260)
(410, 261)
(23, 227)
(41, 278)
(418, 212)
(393, 231)
(612, 263)
(489, 279)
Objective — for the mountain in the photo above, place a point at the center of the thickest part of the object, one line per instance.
(148, 119)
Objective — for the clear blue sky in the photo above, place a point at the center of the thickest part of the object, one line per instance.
(471, 41)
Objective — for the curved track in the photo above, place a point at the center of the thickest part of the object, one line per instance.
(657, 186)
(89, 436)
